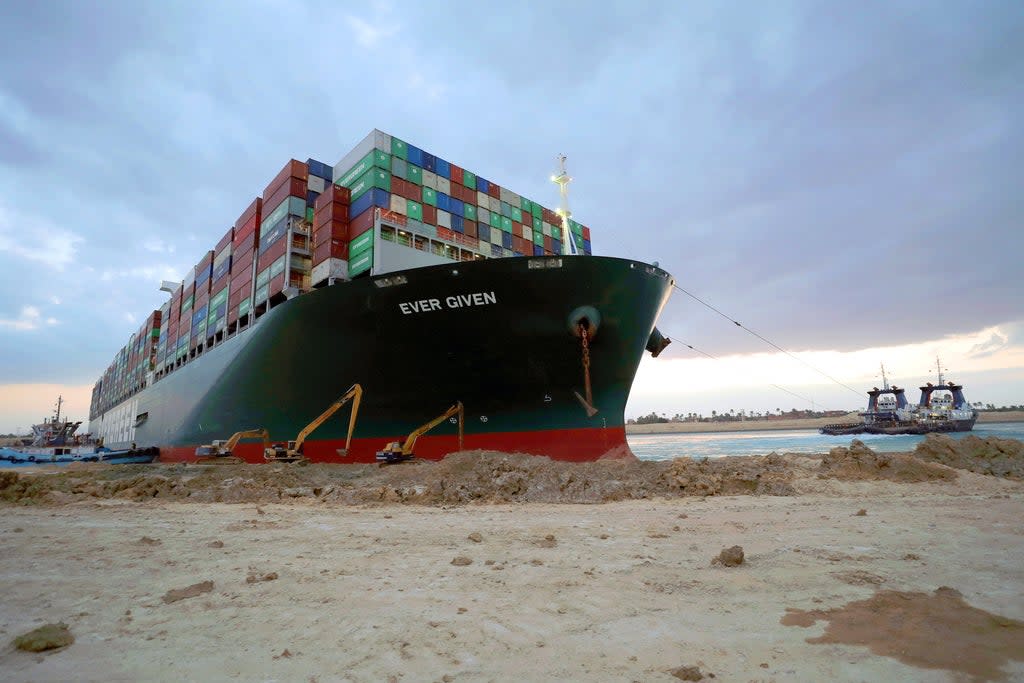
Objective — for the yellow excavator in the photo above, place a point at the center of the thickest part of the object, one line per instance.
(223, 450)
(396, 452)
(292, 451)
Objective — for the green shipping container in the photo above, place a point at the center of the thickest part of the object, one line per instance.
(360, 244)
(495, 220)
(375, 158)
(414, 174)
(525, 204)
(219, 298)
(309, 214)
(470, 211)
(506, 224)
(537, 223)
(469, 180)
(375, 177)
(360, 264)
(538, 237)
(399, 148)
(414, 210)
(262, 278)
(261, 294)
(517, 215)
(535, 210)
(429, 196)
(186, 305)
(244, 306)
(277, 267)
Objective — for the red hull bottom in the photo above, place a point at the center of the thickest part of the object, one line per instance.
(573, 445)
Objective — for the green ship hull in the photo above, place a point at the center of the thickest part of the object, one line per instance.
(499, 335)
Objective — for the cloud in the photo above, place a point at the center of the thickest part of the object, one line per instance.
(30, 318)
(30, 237)
(996, 342)
(367, 34)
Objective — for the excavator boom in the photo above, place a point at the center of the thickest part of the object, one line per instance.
(394, 452)
(293, 450)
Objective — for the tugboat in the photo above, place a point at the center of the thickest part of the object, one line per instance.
(889, 412)
(54, 441)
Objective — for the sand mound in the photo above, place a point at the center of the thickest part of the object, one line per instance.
(860, 463)
(492, 477)
(991, 455)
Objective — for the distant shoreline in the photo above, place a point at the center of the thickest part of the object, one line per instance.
(775, 425)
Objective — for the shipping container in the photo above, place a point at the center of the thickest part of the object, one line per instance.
(331, 268)
(361, 243)
(373, 159)
(292, 169)
(376, 140)
(331, 231)
(375, 197)
(360, 264)
(331, 249)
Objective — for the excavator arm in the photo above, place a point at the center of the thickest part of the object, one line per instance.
(229, 447)
(293, 450)
(395, 452)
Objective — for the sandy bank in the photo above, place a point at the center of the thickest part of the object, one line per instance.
(309, 588)
(760, 425)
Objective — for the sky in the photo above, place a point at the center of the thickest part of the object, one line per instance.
(842, 178)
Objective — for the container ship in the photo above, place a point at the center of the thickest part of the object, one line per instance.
(422, 282)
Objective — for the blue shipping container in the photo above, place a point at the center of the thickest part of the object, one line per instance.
(198, 316)
(586, 246)
(204, 274)
(222, 270)
(482, 185)
(220, 310)
(443, 201)
(374, 197)
(556, 246)
(319, 169)
(444, 169)
(506, 240)
(311, 197)
(414, 155)
(457, 223)
(484, 232)
(457, 207)
(538, 250)
(495, 251)
(429, 162)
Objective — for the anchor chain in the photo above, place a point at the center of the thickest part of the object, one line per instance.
(585, 342)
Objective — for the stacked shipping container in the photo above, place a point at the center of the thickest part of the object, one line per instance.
(314, 223)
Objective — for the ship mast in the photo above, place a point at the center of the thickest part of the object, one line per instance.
(938, 368)
(885, 382)
(562, 180)
(60, 400)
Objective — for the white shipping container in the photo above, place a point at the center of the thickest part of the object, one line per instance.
(483, 216)
(399, 204)
(332, 267)
(429, 179)
(481, 199)
(444, 185)
(444, 219)
(496, 236)
(494, 204)
(509, 197)
(546, 229)
(375, 140)
(316, 184)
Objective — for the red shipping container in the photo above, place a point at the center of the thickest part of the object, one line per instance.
(335, 211)
(586, 233)
(247, 232)
(446, 234)
(551, 217)
(547, 244)
(361, 223)
(295, 187)
(330, 249)
(517, 229)
(333, 194)
(276, 251)
(220, 283)
(398, 187)
(293, 169)
(456, 174)
(332, 231)
(242, 283)
(276, 285)
(494, 191)
(469, 228)
(236, 297)
(242, 258)
(225, 240)
(429, 214)
(252, 211)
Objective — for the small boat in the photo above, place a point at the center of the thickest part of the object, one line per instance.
(941, 408)
(54, 442)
